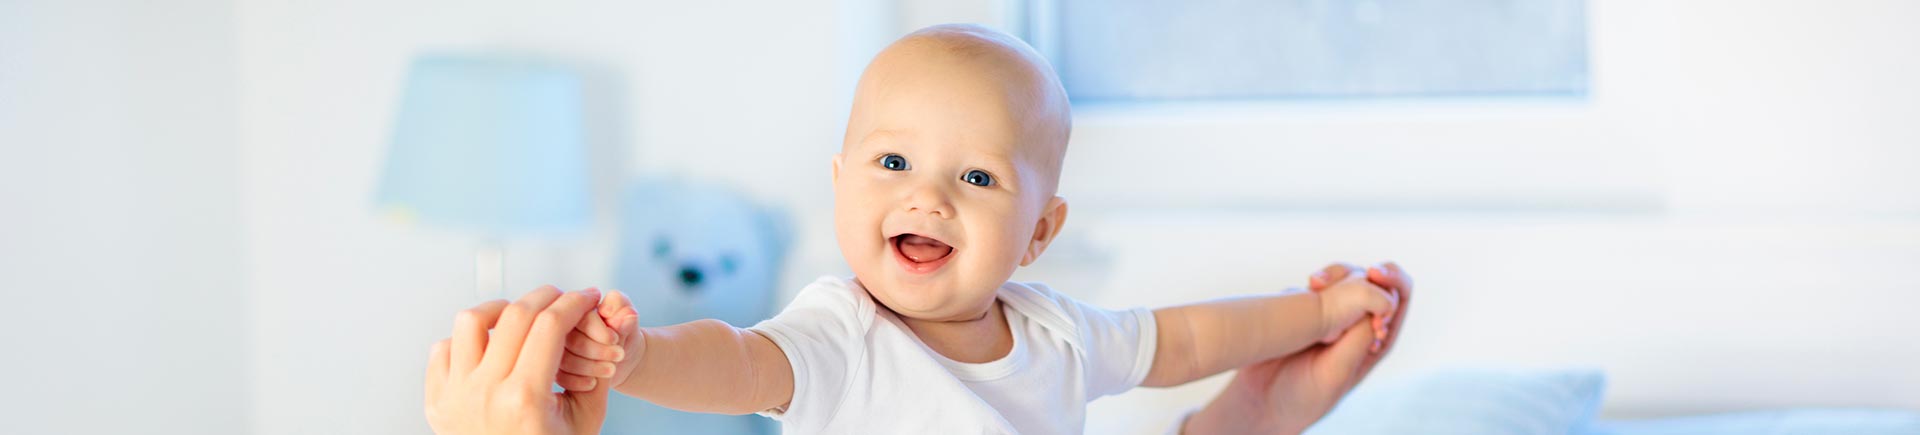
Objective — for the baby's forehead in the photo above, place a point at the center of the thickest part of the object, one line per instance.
(970, 74)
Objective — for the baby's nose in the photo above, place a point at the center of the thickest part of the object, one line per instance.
(930, 200)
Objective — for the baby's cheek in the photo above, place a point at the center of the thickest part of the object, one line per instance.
(1000, 244)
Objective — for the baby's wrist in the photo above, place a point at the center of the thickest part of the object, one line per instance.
(1325, 326)
(629, 365)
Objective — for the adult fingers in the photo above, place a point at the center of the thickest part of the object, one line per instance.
(1346, 356)
(579, 344)
(1399, 317)
(1390, 276)
(588, 406)
(470, 335)
(579, 365)
(511, 331)
(573, 382)
(1390, 271)
(539, 357)
(437, 368)
(1332, 273)
(1380, 307)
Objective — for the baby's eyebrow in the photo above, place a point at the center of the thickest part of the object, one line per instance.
(1003, 166)
(880, 135)
(998, 162)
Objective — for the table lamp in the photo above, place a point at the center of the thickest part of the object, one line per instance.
(492, 146)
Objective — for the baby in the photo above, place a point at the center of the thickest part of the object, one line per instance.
(945, 183)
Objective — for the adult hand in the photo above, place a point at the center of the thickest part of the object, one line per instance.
(1286, 395)
(481, 384)
(1386, 275)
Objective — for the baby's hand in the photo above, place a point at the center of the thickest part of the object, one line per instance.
(603, 347)
(1346, 302)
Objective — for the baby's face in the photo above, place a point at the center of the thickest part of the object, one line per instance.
(944, 183)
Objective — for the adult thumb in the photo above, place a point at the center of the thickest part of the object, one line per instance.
(1341, 360)
(587, 409)
(1328, 275)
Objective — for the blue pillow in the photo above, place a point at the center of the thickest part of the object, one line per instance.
(1805, 421)
(1469, 401)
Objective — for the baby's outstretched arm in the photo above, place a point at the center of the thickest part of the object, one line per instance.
(709, 366)
(699, 366)
(1202, 339)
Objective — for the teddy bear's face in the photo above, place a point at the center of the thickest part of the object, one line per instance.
(696, 271)
(690, 253)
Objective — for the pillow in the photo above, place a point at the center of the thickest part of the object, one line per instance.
(1806, 421)
(1469, 401)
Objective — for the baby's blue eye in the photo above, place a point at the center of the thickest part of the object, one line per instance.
(978, 178)
(893, 162)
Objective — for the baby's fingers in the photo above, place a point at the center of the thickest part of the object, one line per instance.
(579, 344)
(596, 328)
(618, 313)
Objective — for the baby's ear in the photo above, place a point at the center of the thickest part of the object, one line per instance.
(1052, 219)
(836, 167)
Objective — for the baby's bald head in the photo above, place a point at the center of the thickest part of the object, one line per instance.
(938, 71)
(947, 179)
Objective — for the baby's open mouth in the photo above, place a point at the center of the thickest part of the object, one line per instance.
(920, 255)
(921, 249)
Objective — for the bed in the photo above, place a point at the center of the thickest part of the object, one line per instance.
(1686, 326)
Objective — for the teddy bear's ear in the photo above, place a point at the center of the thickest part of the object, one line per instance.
(640, 195)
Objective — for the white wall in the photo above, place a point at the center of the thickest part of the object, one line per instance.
(345, 302)
(119, 209)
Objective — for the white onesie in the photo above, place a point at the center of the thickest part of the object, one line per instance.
(858, 369)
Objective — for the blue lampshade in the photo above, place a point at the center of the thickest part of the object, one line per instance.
(488, 145)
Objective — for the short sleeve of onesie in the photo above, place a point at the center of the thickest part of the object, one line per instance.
(820, 332)
(1119, 344)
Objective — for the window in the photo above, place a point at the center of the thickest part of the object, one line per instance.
(1257, 49)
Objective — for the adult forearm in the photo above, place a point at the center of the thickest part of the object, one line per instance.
(1229, 414)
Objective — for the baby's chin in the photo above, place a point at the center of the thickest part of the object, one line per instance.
(928, 299)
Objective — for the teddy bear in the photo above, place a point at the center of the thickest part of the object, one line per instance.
(690, 251)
